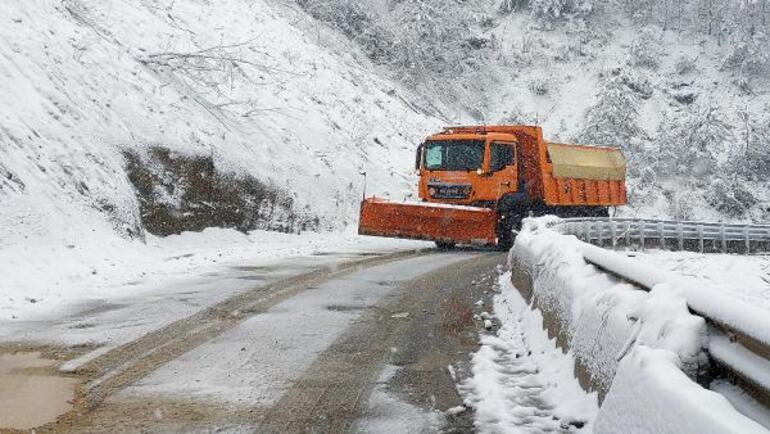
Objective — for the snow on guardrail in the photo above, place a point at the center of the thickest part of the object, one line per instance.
(668, 234)
(746, 325)
(643, 343)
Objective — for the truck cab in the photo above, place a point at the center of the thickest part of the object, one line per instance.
(467, 168)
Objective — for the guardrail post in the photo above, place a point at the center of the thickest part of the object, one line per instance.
(700, 238)
(680, 234)
(641, 234)
(600, 234)
(586, 231)
(723, 238)
(662, 236)
(613, 234)
(748, 239)
(628, 235)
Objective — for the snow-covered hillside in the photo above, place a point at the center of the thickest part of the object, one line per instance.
(694, 130)
(242, 82)
(304, 96)
(681, 86)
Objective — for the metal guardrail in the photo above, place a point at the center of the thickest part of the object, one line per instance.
(668, 234)
(741, 355)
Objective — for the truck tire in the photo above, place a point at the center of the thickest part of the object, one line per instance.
(505, 226)
(445, 245)
(510, 214)
(601, 211)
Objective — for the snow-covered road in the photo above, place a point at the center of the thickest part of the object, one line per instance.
(328, 342)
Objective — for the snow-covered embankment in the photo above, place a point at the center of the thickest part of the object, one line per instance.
(641, 351)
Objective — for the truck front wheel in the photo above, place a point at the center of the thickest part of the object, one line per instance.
(505, 226)
(510, 214)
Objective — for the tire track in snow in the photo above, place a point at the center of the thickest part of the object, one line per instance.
(130, 362)
(333, 394)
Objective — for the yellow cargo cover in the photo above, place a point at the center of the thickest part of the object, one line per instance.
(585, 162)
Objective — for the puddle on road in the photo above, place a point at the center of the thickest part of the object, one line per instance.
(32, 395)
(255, 268)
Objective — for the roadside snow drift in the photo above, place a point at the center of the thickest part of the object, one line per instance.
(639, 350)
(522, 382)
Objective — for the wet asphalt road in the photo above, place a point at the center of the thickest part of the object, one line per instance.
(409, 316)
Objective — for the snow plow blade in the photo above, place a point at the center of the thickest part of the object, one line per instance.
(423, 221)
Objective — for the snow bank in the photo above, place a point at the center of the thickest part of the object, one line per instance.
(521, 380)
(730, 288)
(652, 394)
(613, 328)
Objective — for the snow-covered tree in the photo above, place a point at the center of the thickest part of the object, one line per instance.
(645, 49)
(429, 45)
(750, 158)
(613, 120)
(508, 6)
(555, 9)
(690, 140)
(353, 19)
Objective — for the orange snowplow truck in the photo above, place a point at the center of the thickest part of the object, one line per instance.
(478, 182)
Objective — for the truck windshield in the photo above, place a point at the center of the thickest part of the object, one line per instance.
(454, 154)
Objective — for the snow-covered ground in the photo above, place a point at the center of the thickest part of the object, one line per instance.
(747, 278)
(521, 381)
(41, 280)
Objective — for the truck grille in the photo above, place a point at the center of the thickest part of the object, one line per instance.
(449, 191)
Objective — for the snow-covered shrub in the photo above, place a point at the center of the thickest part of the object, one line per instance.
(613, 120)
(730, 198)
(681, 205)
(645, 50)
(638, 10)
(684, 65)
(524, 53)
(353, 19)
(750, 158)
(9, 181)
(689, 141)
(635, 81)
(539, 86)
(550, 10)
(517, 116)
(508, 6)
(683, 92)
(751, 57)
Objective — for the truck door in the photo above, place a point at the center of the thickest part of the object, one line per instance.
(502, 166)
